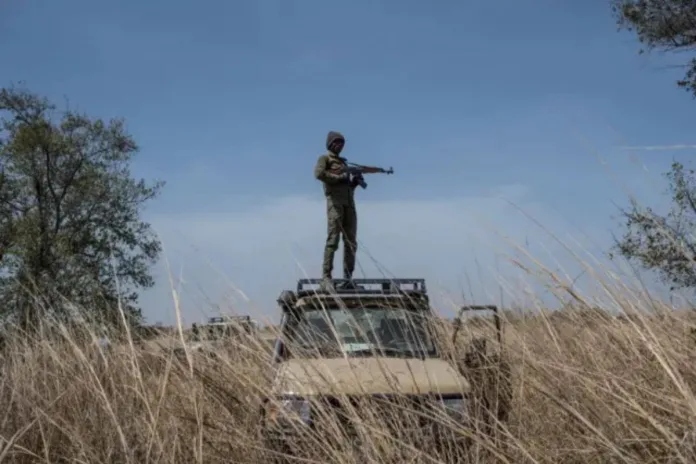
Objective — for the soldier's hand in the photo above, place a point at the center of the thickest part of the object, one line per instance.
(356, 180)
(344, 176)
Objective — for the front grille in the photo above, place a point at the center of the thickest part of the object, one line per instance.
(393, 414)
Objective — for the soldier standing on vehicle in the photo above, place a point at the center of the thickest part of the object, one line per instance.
(340, 207)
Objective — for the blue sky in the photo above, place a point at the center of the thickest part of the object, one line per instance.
(470, 102)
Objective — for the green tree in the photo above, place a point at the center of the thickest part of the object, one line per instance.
(666, 25)
(70, 227)
(665, 243)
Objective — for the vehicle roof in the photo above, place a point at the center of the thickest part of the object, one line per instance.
(353, 300)
(380, 286)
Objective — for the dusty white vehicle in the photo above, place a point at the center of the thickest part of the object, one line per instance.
(218, 333)
(361, 348)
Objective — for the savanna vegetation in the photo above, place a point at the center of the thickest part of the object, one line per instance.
(588, 386)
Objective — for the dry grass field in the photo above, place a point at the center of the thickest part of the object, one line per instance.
(587, 389)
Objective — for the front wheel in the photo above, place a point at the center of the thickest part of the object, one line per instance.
(275, 451)
(452, 445)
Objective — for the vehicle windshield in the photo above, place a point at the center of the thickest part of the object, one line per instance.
(363, 331)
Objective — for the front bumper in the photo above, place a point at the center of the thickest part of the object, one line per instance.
(404, 417)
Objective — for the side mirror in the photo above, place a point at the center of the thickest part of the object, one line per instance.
(473, 308)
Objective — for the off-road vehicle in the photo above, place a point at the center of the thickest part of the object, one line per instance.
(365, 348)
(219, 327)
(217, 333)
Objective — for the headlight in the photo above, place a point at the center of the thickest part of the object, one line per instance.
(288, 409)
(455, 407)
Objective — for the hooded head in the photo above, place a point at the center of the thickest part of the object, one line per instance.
(335, 142)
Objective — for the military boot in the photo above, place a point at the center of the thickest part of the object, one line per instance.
(347, 283)
(327, 284)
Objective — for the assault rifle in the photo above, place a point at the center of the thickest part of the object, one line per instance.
(357, 171)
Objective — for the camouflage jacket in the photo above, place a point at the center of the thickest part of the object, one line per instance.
(328, 170)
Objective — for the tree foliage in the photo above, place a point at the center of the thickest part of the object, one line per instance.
(665, 243)
(70, 227)
(667, 25)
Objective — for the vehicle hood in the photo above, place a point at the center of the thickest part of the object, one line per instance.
(336, 376)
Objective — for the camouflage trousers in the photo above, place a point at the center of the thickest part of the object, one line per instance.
(342, 220)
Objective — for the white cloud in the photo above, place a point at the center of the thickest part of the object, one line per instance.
(661, 147)
(457, 244)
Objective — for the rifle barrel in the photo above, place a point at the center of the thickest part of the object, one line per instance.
(373, 168)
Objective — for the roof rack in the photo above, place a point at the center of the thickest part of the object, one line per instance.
(364, 286)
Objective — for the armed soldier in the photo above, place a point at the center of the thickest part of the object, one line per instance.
(340, 179)
(339, 187)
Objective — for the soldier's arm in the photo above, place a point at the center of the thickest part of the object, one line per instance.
(322, 174)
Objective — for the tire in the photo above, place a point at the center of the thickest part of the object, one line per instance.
(275, 450)
(450, 447)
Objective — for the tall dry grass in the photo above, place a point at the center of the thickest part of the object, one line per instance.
(586, 388)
